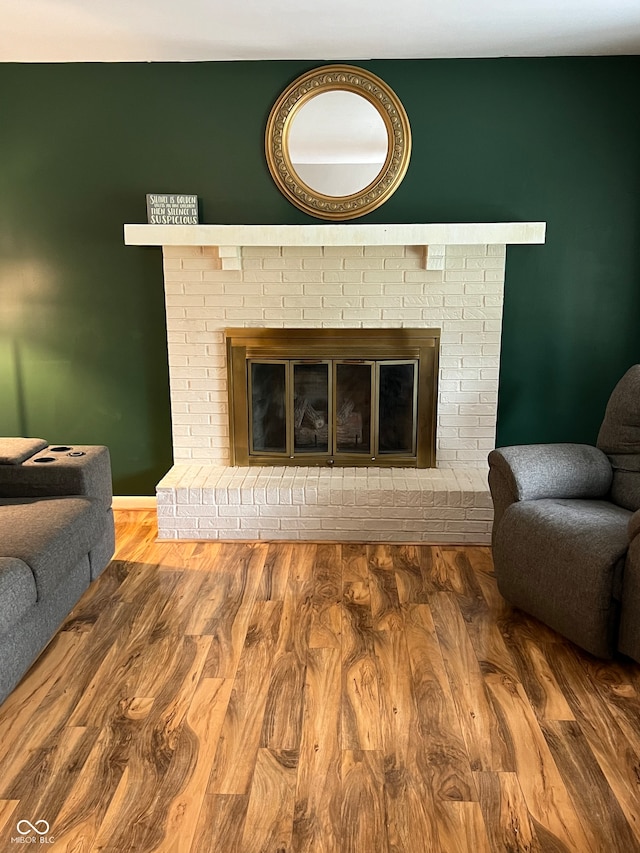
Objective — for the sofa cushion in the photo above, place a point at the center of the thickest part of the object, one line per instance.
(561, 561)
(13, 451)
(50, 534)
(17, 591)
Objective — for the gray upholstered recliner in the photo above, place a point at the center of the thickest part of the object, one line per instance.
(566, 530)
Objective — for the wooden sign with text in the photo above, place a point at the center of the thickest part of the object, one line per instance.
(172, 209)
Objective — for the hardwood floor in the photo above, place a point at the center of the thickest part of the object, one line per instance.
(262, 698)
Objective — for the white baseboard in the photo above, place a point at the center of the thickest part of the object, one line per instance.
(134, 502)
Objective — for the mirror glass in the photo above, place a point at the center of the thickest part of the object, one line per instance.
(337, 143)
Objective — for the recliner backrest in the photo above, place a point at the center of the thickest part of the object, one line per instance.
(619, 438)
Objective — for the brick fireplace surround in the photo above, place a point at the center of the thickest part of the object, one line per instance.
(338, 275)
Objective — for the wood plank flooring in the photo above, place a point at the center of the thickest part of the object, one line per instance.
(303, 698)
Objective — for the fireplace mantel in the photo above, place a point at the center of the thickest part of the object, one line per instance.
(229, 238)
(445, 277)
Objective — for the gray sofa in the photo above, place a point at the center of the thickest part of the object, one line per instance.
(56, 536)
(566, 530)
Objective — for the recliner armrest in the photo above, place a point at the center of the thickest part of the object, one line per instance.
(87, 473)
(629, 632)
(534, 471)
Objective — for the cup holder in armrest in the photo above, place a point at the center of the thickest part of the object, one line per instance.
(59, 449)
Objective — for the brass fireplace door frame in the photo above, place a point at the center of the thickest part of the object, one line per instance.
(305, 345)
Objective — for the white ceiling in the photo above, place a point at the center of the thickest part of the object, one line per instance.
(200, 30)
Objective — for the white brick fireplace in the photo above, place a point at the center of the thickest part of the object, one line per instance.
(345, 276)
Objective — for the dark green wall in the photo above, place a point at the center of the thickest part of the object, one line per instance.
(82, 335)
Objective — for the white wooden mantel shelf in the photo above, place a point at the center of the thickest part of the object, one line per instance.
(433, 236)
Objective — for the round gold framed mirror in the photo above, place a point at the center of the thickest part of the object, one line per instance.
(338, 142)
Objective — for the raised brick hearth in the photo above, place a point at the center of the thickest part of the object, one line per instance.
(351, 504)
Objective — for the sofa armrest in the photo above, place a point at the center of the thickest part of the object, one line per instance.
(58, 471)
(533, 471)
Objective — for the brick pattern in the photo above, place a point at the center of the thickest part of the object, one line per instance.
(334, 286)
(347, 504)
(460, 291)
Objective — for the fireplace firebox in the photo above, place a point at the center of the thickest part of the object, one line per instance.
(348, 397)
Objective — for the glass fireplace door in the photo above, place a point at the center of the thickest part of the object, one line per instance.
(333, 408)
(294, 404)
(268, 386)
(397, 387)
(312, 407)
(354, 396)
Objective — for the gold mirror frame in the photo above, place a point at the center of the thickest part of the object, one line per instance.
(330, 78)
